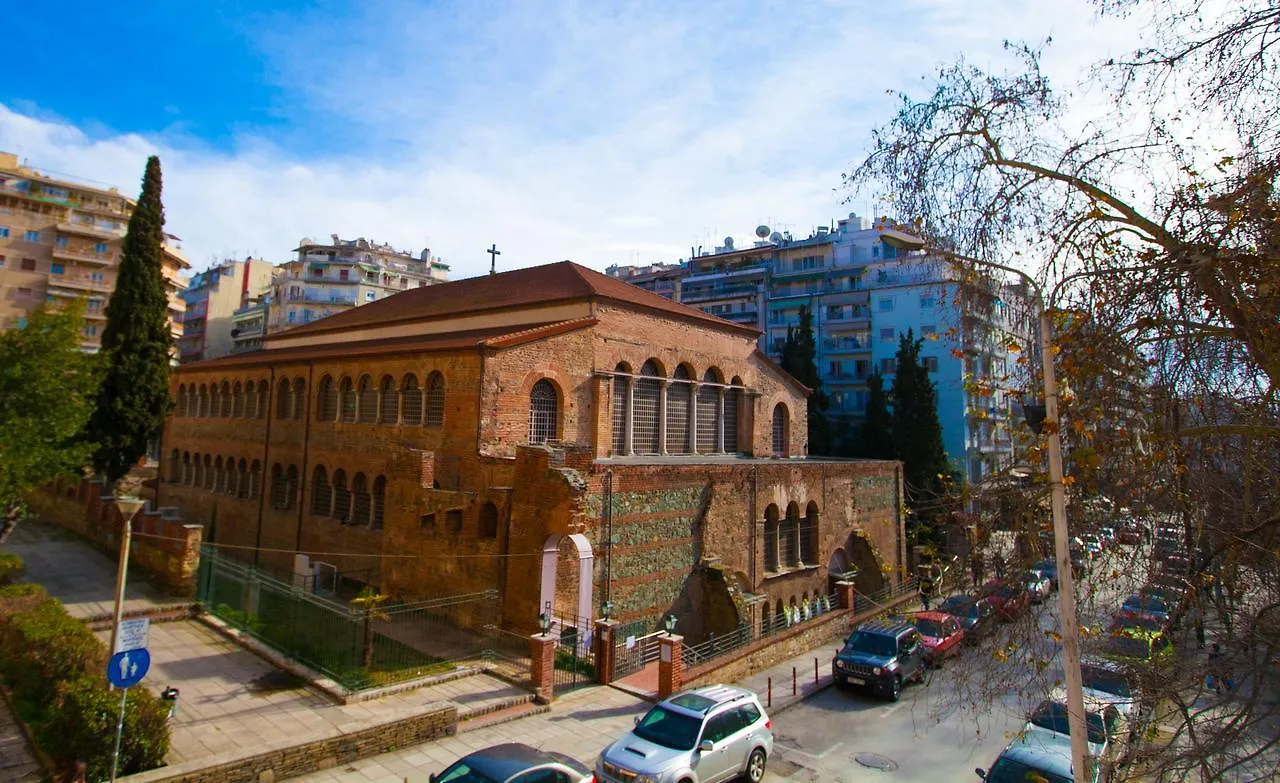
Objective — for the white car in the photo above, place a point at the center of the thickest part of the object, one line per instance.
(1109, 733)
(1039, 586)
(1106, 681)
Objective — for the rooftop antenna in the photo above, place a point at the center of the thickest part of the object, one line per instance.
(493, 252)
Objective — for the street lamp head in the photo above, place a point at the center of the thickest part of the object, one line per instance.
(669, 623)
(544, 622)
(1034, 414)
(129, 506)
(606, 609)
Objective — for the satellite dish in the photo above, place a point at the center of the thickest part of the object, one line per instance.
(762, 231)
(775, 237)
(728, 243)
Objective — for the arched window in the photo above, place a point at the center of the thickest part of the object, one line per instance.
(679, 401)
(645, 409)
(242, 480)
(219, 476)
(347, 401)
(809, 535)
(488, 520)
(321, 492)
(209, 475)
(411, 405)
(284, 399)
(389, 407)
(709, 412)
(188, 475)
(215, 402)
(620, 418)
(299, 397)
(251, 400)
(732, 407)
(202, 408)
(290, 486)
(279, 492)
(197, 471)
(791, 536)
(264, 399)
(367, 401)
(255, 478)
(781, 427)
(379, 501)
(341, 497)
(543, 412)
(361, 500)
(435, 400)
(225, 412)
(326, 400)
(175, 466)
(237, 401)
(181, 409)
(771, 538)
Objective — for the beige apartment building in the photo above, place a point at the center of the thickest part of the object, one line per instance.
(60, 240)
(209, 328)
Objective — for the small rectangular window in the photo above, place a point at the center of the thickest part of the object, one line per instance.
(61, 242)
(930, 363)
(28, 265)
(97, 277)
(31, 235)
(24, 292)
(927, 302)
(888, 366)
(886, 304)
(928, 329)
(4, 232)
(886, 334)
(453, 520)
(100, 248)
(427, 521)
(1, 260)
(56, 269)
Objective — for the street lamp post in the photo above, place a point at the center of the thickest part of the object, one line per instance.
(129, 508)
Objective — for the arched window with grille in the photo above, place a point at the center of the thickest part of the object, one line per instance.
(250, 400)
(299, 397)
(279, 492)
(242, 480)
(771, 538)
(645, 410)
(347, 401)
(284, 399)
(290, 486)
(181, 409)
(379, 502)
(264, 399)
(219, 476)
(255, 478)
(212, 411)
(709, 411)
(781, 431)
(341, 497)
(809, 535)
(326, 400)
(620, 419)
(188, 475)
(791, 536)
(237, 401)
(389, 405)
(732, 410)
(210, 476)
(679, 402)
(232, 476)
(411, 402)
(225, 394)
(321, 492)
(175, 467)
(197, 471)
(488, 520)
(435, 400)
(367, 401)
(544, 412)
(361, 500)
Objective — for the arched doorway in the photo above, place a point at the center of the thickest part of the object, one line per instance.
(582, 611)
(837, 569)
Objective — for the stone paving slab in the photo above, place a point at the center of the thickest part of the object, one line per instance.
(17, 760)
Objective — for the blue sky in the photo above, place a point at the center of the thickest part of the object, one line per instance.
(604, 132)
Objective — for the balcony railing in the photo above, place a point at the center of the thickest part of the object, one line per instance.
(76, 282)
(92, 257)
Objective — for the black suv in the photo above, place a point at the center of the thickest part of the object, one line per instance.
(880, 656)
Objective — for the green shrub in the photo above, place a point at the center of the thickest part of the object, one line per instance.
(83, 726)
(11, 567)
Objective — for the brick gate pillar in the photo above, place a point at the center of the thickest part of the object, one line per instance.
(603, 652)
(670, 664)
(846, 592)
(542, 666)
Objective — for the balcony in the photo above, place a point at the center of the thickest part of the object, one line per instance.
(89, 230)
(76, 283)
(84, 256)
(754, 269)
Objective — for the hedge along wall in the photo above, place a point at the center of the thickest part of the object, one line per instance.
(55, 669)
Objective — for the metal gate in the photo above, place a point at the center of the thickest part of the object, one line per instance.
(575, 664)
(634, 647)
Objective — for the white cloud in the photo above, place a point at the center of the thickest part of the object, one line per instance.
(597, 132)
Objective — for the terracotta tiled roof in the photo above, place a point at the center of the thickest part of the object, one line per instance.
(501, 337)
(538, 285)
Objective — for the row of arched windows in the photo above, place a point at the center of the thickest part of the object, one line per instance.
(653, 414)
(223, 475)
(790, 542)
(351, 502)
(227, 400)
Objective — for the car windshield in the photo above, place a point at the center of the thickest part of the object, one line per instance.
(1145, 602)
(1128, 647)
(930, 627)
(1052, 715)
(1046, 566)
(871, 644)
(1099, 679)
(669, 729)
(1007, 770)
(461, 772)
(958, 606)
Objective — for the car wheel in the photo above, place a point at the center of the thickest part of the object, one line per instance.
(755, 766)
(895, 689)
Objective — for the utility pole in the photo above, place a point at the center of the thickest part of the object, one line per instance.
(129, 508)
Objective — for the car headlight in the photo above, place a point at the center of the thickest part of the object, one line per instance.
(839, 664)
(646, 779)
(876, 671)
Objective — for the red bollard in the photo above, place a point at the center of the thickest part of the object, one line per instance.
(769, 699)
(793, 681)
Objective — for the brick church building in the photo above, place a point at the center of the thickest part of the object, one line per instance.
(551, 433)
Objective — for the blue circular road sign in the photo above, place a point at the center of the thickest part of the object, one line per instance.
(126, 669)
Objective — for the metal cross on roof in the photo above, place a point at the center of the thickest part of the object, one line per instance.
(493, 252)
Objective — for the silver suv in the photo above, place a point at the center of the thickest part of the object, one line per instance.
(704, 735)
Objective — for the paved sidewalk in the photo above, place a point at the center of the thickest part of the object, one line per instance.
(17, 761)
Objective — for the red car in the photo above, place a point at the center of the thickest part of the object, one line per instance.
(1008, 599)
(940, 634)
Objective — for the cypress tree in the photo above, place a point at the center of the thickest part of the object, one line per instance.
(134, 396)
(917, 433)
(875, 436)
(799, 357)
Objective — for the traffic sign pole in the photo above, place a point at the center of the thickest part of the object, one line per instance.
(115, 757)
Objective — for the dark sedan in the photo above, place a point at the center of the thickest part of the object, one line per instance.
(514, 762)
(975, 616)
(1009, 599)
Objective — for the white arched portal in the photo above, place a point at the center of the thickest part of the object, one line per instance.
(586, 572)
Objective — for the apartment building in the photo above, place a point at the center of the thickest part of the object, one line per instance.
(60, 240)
(212, 299)
(864, 288)
(326, 279)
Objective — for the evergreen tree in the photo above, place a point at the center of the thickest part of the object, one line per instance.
(47, 385)
(799, 357)
(875, 436)
(134, 396)
(917, 433)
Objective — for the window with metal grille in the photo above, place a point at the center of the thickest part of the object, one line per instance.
(620, 384)
(278, 490)
(321, 492)
(453, 520)
(347, 401)
(780, 426)
(219, 476)
(435, 400)
(215, 402)
(543, 412)
(255, 480)
(732, 405)
(209, 475)
(251, 400)
(226, 401)
(411, 404)
(326, 400)
(427, 521)
(299, 397)
(237, 401)
(679, 401)
(290, 486)
(341, 497)
(645, 408)
(197, 471)
(809, 535)
(175, 466)
(242, 480)
(791, 536)
(188, 475)
(708, 413)
(284, 399)
(379, 501)
(488, 520)
(264, 399)
(771, 538)
(389, 408)
(202, 409)
(367, 401)
(361, 500)
(182, 401)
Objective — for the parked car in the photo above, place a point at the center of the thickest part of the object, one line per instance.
(940, 634)
(1037, 757)
(514, 762)
(1108, 681)
(1122, 622)
(1092, 543)
(1178, 565)
(1038, 586)
(1148, 606)
(1008, 598)
(711, 733)
(1173, 590)
(1048, 569)
(880, 656)
(1138, 647)
(1108, 731)
(1130, 533)
(1108, 536)
(974, 614)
